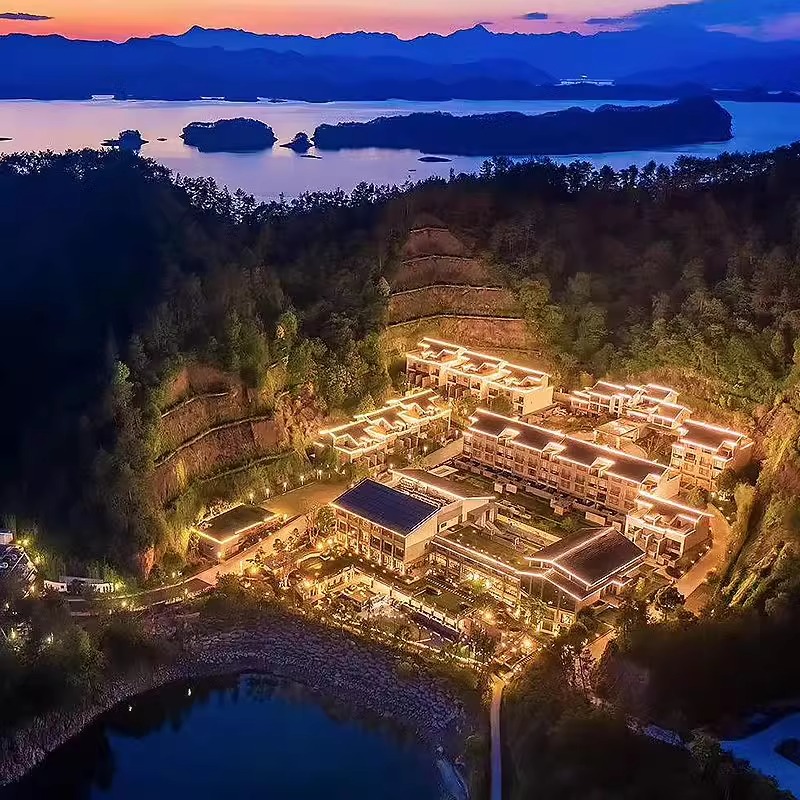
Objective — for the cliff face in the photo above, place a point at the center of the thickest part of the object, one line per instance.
(212, 422)
(765, 555)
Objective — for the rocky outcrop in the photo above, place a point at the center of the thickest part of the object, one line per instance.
(127, 140)
(575, 130)
(229, 136)
(300, 144)
(367, 677)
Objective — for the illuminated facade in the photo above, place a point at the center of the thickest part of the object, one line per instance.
(371, 438)
(654, 404)
(548, 462)
(554, 584)
(393, 527)
(455, 371)
(667, 530)
(703, 452)
(227, 533)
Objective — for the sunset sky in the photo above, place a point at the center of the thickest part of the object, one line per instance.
(121, 19)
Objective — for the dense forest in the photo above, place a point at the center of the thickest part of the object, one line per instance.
(113, 273)
(564, 746)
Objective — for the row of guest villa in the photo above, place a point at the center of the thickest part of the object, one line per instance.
(609, 485)
(455, 371)
(371, 438)
(428, 525)
(700, 452)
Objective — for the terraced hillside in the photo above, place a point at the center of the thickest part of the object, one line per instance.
(439, 288)
(212, 424)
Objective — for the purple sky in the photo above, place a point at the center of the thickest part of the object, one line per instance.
(119, 19)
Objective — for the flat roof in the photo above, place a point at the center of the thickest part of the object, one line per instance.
(457, 490)
(473, 539)
(385, 506)
(320, 566)
(439, 597)
(234, 522)
(591, 555)
(621, 426)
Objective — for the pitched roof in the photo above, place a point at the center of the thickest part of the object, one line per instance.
(591, 555)
(521, 432)
(385, 506)
(710, 437)
(235, 521)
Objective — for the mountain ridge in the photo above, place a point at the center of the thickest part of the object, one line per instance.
(612, 54)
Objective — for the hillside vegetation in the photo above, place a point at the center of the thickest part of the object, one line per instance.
(116, 276)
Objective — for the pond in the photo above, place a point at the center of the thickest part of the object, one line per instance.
(759, 750)
(235, 737)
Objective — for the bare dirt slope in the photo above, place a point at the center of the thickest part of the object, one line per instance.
(213, 422)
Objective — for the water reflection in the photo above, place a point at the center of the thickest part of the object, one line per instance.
(59, 125)
(241, 736)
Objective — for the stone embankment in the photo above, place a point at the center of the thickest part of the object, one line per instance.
(370, 679)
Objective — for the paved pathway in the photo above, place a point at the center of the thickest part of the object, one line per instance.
(497, 746)
(691, 584)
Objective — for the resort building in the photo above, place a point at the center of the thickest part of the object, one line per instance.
(661, 415)
(703, 452)
(555, 583)
(373, 437)
(226, 534)
(579, 571)
(597, 479)
(619, 432)
(455, 371)
(616, 400)
(667, 530)
(394, 527)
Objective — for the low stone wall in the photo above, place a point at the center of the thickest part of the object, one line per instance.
(371, 679)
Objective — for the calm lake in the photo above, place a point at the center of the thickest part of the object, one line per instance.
(232, 738)
(60, 125)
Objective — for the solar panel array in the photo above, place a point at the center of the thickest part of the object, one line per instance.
(386, 506)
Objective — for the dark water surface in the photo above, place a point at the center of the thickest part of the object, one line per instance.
(231, 738)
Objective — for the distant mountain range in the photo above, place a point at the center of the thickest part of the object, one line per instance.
(471, 64)
(782, 72)
(604, 55)
(55, 67)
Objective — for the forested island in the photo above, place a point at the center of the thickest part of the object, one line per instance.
(229, 136)
(575, 130)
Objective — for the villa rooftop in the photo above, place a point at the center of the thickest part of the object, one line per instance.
(710, 437)
(591, 555)
(466, 362)
(667, 513)
(567, 448)
(226, 526)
